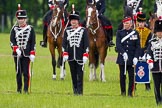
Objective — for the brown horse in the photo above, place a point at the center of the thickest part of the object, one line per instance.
(153, 18)
(55, 37)
(97, 42)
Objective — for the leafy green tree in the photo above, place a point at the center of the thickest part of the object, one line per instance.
(37, 8)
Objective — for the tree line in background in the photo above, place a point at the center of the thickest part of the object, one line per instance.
(37, 8)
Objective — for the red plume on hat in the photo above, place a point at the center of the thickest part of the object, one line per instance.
(19, 7)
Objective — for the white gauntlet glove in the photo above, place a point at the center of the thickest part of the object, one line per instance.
(65, 56)
(150, 63)
(32, 57)
(18, 51)
(135, 60)
(125, 56)
(85, 58)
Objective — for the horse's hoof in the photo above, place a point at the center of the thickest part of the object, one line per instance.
(61, 78)
(90, 80)
(103, 80)
(54, 77)
(94, 77)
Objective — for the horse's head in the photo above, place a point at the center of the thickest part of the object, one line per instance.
(91, 14)
(57, 13)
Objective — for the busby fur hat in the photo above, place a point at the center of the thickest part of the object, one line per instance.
(158, 26)
(141, 17)
(74, 15)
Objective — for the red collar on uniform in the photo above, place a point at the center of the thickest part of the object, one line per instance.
(23, 25)
(141, 28)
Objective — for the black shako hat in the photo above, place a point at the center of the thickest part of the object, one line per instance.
(74, 15)
(21, 14)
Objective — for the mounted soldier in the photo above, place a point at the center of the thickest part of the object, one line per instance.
(100, 5)
(48, 16)
(22, 40)
(135, 4)
(131, 8)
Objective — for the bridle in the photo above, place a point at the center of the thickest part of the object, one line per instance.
(55, 24)
(91, 24)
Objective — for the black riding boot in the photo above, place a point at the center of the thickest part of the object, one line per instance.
(44, 42)
(109, 35)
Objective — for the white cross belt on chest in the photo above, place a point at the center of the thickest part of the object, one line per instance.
(22, 36)
(75, 36)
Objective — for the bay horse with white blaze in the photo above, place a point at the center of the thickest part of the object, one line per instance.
(154, 17)
(55, 37)
(97, 42)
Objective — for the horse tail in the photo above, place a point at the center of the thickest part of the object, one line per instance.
(97, 59)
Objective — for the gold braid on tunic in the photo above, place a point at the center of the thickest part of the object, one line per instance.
(143, 34)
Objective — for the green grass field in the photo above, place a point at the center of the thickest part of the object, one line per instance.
(48, 93)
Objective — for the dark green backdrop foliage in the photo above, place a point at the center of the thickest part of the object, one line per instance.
(37, 8)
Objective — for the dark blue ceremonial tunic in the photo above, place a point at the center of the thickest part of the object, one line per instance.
(131, 46)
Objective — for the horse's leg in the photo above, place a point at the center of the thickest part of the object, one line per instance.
(92, 74)
(62, 70)
(102, 73)
(102, 54)
(52, 51)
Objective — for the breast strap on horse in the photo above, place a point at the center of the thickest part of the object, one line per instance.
(127, 36)
(22, 30)
(74, 32)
